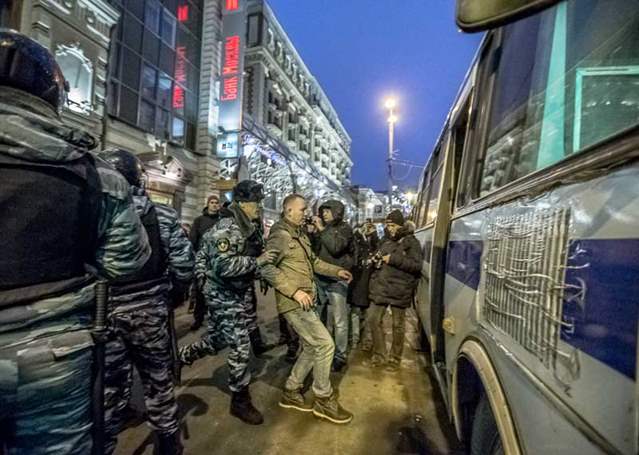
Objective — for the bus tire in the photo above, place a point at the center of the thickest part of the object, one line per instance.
(485, 439)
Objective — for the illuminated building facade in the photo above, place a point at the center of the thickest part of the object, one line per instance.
(78, 34)
(204, 91)
(292, 137)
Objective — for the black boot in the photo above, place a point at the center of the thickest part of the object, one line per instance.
(169, 444)
(242, 408)
(257, 344)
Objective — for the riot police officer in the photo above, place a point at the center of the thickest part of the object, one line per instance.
(139, 312)
(67, 218)
(229, 258)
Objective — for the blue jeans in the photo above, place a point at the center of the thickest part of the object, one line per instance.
(317, 352)
(333, 295)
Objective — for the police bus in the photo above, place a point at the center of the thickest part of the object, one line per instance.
(528, 215)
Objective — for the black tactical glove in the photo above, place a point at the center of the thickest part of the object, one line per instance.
(267, 257)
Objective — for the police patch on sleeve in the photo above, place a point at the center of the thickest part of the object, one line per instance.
(222, 245)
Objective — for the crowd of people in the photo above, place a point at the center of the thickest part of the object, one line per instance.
(332, 284)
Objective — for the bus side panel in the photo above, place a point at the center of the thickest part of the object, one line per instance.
(422, 294)
(541, 427)
(581, 348)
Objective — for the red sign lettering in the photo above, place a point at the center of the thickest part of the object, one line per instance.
(230, 69)
(229, 89)
(232, 5)
(183, 13)
(180, 76)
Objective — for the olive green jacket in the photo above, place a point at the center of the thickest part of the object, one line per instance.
(295, 266)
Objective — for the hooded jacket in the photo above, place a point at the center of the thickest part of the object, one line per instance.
(394, 283)
(202, 224)
(31, 131)
(335, 243)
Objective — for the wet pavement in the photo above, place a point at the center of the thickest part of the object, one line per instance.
(395, 412)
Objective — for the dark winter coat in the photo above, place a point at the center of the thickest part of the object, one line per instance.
(202, 224)
(358, 289)
(335, 243)
(394, 283)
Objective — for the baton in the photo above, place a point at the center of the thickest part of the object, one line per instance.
(99, 338)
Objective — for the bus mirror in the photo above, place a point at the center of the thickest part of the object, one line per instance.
(478, 15)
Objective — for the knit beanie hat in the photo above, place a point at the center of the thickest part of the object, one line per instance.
(396, 217)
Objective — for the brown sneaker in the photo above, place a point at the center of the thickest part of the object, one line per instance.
(293, 399)
(375, 361)
(392, 366)
(329, 408)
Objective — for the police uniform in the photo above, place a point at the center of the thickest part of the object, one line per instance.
(139, 312)
(66, 217)
(227, 265)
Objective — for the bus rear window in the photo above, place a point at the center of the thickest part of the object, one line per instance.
(565, 79)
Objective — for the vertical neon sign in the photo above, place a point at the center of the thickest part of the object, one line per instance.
(183, 13)
(230, 91)
(232, 5)
(180, 76)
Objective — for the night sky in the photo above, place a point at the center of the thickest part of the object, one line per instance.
(361, 50)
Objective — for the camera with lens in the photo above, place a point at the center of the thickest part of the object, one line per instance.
(376, 260)
(308, 220)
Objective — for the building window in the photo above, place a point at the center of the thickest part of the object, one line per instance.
(147, 116)
(147, 87)
(78, 71)
(168, 28)
(152, 16)
(254, 30)
(149, 82)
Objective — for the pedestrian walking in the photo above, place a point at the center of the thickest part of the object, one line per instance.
(333, 242)
(210, 216)
(231, 254)
(393, 284)
(139, 311)
(292, 276)
(48, 269)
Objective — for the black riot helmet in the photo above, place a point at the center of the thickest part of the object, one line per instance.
(126, 163)
(248, 191)
(28, 66)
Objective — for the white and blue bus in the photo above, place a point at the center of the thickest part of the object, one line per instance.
(528, 215)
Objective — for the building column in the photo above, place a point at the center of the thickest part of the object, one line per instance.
(207, 163)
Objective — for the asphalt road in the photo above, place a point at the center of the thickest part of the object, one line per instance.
(395, 413)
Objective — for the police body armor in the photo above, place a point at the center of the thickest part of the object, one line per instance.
(49, 222)
(154, 270)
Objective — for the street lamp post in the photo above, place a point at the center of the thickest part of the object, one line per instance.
(390, 105)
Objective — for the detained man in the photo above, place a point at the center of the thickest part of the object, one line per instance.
(292, 276)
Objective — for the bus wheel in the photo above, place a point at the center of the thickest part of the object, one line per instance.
(485, 438)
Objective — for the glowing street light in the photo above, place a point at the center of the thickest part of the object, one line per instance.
(391, 104)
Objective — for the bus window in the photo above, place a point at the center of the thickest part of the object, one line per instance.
(420, 219)
(566, 79)
(435, 165)
(435, 183)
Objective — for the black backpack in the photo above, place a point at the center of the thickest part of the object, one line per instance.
(50, 212)
(154, 269)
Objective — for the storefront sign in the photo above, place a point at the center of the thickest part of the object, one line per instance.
(180, 77)
(228, 145)
(230, 95)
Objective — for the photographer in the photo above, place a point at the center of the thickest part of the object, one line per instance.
(366, 243)
(333, 243)
(398, 265)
